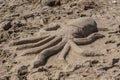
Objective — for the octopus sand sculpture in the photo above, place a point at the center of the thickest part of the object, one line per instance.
(62, 38)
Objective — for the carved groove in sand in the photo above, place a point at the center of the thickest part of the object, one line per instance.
(60, 38)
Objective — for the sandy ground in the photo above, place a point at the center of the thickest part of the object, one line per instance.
(24, 18)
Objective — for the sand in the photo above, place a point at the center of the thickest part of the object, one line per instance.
(25, 18)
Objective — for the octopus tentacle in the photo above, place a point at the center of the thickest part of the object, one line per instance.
(29, 40)
(75, 47)
(45, 54)
(91, 38)
(53, 27)
(40, 48)
(86, 53)
(26, 46)
(64, 51)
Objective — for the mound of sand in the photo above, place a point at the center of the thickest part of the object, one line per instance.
(24, 18)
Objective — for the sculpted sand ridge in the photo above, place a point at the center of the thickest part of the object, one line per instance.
(59, 39)
(62, 38)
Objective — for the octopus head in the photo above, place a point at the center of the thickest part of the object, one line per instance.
(88, 28)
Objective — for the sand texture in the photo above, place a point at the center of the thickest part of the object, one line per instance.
(59, 39)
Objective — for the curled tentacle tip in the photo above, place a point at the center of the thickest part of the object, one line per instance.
(38, 64)
(99, 35)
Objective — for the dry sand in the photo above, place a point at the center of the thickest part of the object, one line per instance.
(24, 18)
